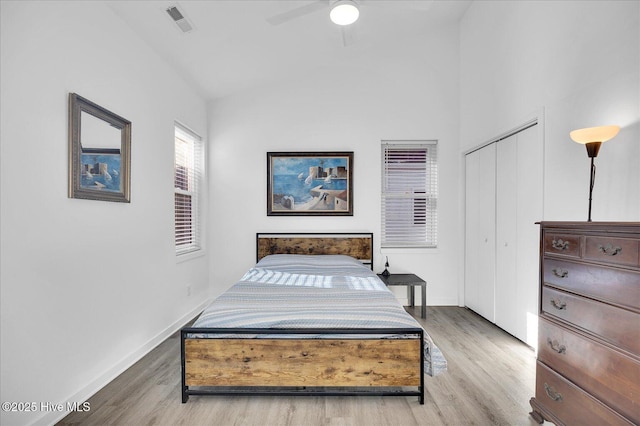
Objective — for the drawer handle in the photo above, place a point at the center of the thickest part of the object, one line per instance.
(560, 273)
(556, 396)
(609, 250)
(556, 346)
(558, 304)
(560, 244)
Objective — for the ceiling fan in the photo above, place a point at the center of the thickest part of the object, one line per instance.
(342, 12)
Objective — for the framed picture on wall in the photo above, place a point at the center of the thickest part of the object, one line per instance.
(99, 152)
(309, 183)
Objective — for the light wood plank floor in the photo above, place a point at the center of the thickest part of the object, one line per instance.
(490, 379)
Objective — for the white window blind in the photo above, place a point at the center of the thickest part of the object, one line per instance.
(409, 194)
(188, 171)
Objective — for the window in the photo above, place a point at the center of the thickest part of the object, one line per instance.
(187, 178)
(409, 194)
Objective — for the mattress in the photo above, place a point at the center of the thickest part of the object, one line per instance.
(323, 291)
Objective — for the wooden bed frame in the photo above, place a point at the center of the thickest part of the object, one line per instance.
(304, 366)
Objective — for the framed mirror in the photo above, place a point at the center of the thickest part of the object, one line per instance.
(99, 152)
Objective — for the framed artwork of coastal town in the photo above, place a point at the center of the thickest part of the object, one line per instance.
(309, 183)
(99, 152)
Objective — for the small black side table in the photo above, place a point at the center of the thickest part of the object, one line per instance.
(411, 281)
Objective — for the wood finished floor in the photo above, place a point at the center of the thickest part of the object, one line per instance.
(490, 378)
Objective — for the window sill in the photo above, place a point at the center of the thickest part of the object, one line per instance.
(180, 258)
(410, 250)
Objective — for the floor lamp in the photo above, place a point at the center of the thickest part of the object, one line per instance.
(592, 138)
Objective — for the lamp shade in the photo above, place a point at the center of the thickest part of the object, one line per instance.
(594, 134)
(344, 12)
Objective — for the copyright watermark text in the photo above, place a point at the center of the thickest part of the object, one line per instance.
(45, 407)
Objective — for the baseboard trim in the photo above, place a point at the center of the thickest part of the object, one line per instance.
(107, 377)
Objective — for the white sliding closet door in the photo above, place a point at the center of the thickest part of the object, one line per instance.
(480, 231)
(506, 233)
(529, 203)
(472, 231)
(503, 203)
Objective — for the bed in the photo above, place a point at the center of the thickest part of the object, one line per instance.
(310, 318)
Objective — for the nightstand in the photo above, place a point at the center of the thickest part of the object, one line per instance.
(411, 281)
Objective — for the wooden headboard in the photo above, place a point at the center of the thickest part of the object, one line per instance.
(358, 245)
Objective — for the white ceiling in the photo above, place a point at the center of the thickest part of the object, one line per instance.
(233, 47)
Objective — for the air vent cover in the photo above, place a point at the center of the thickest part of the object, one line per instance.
(179, 18)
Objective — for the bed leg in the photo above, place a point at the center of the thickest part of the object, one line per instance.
(183, 386)
(421, 367)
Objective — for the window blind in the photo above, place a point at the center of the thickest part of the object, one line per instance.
(409, 194)
(187, 179)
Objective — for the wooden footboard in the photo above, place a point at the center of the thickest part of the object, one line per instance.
(297, 365)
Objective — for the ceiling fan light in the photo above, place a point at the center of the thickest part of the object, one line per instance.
(344, 12)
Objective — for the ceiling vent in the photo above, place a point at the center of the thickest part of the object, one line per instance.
(179, 18)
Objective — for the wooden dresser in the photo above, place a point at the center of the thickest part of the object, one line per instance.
(588, 369)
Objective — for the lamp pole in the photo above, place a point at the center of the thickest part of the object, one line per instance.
(593, 178)
(592, 151)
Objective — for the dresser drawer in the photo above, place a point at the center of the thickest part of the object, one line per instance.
(612, 377)
(572, 405)
(600, 282)
(615, 325)
(621, 251)
(562, 244)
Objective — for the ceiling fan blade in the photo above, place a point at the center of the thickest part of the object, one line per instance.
(314, 6)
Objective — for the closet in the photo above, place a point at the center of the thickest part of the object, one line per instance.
(503, 201)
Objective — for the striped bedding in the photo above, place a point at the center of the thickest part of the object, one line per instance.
(322, 291)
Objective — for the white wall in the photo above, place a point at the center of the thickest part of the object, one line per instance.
(390, 92)
(86, 286)
(580, 62)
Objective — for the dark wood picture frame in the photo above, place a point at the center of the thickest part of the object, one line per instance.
(310, 183)
(99, 152)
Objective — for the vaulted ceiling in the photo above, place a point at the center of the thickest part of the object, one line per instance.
(242, 44)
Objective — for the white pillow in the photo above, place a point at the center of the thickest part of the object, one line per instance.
(307, 259)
